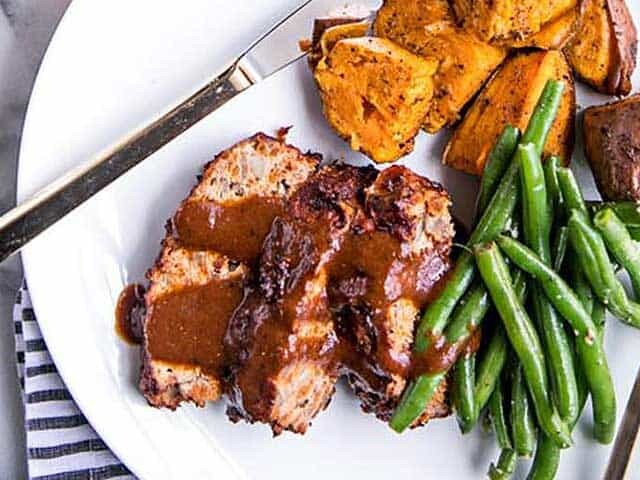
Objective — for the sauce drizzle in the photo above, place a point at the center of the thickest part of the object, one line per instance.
(236, 230)
(130, 314)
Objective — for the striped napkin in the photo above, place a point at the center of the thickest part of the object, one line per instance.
(61, 445)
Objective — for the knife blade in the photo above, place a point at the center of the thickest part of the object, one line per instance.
(271, 52)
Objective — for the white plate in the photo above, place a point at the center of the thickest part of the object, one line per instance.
(113, 65)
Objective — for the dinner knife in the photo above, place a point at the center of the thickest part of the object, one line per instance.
(626, 436)
(271, 52)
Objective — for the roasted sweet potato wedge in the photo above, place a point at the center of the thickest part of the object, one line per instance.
(603, 51)
(407, 21)
(612, 146)
(375, 94)
(515, 23)
(329, 31)
(509, 98)
(554, 34)
(464, 62)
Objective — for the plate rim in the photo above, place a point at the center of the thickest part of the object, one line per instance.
(95, 421)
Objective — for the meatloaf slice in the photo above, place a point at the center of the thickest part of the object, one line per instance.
(206, 259)
(281, 340)
(180, 355)
(381, 280)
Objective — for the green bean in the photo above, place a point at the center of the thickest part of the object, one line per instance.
(535, 208)
(537, 226)
(494, 218)
(522, 423)
(492, 222)
(627, 211)
(497, 163)
(558, 353)
(559, 249)
(571, 193)
(625, 250)
(505, 467)
(544, 115)
(464, 373)
(468, 314)
(465, 319)
(560, 294)
(490, 367)
(599, 316)
(597, 311)
(413, 400)
(590, 350)
(588, 264)
(581, 286)
(547, 457)
(634, 231)
(601, 275)
(464, 369)
(499, 417)
(437, 314)
(551, 166)
(492, 362)
(524, 339)
(546, 460)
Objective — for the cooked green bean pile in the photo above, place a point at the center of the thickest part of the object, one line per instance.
(539, 279)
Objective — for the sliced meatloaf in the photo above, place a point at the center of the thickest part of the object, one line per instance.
(206, 259)
(281, 340)
(383, 278)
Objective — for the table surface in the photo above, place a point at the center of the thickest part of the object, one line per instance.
(26, 27)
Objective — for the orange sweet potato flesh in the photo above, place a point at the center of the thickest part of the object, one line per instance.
(554, 34)
(426, 28)
(510, 98)
(375, 94)
(518, 23)
(329, 31)
(406, 21)
(603, 51)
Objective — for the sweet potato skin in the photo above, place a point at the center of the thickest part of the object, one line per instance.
(515, 23)
(464, 63)
(612, 147)
(603, 51)
(375, 94)
(509, 98)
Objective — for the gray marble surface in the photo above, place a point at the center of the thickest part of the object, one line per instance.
(26, 27)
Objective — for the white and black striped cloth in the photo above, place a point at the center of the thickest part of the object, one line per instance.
(61, 445)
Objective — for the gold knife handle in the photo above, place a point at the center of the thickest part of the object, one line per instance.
(24, 222)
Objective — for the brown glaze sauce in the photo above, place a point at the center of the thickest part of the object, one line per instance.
(186, 328)
(367, 277)
(442, 355)
(361, 289)
(292, 253)
(130, 314)
(236, 230)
